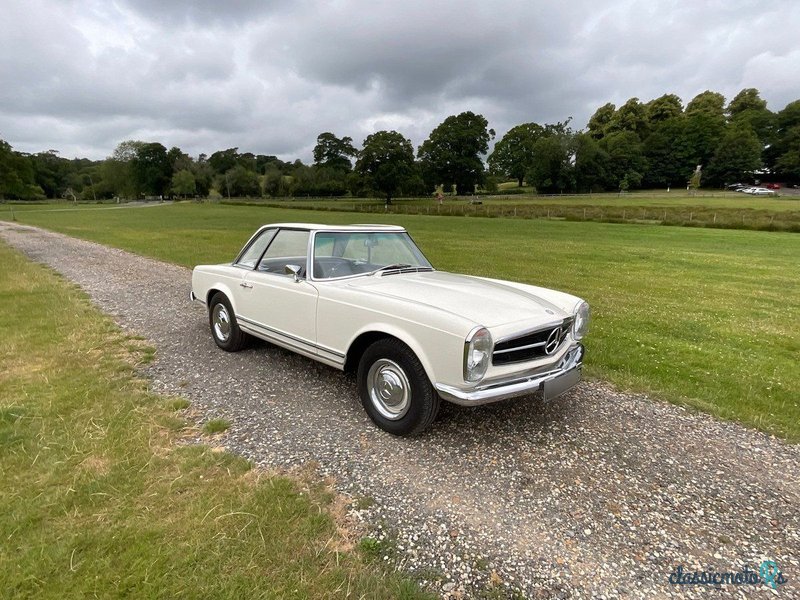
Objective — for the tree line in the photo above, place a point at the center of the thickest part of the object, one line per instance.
(655, 144)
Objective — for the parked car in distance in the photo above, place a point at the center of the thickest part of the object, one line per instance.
(363, 298)
(761, 192)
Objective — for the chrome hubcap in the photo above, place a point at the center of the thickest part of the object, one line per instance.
(222, 322)
(389, 389)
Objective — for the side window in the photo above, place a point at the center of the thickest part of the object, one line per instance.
(289, 247)
(256, 248)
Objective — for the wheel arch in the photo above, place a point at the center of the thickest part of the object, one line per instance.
(367, 337)
(220, 289)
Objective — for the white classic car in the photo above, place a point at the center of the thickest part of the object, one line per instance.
(363, 298)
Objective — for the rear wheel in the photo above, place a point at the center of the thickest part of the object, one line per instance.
(224, 329)
(395, 389)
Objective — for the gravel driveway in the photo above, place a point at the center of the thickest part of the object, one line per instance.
(600, 494)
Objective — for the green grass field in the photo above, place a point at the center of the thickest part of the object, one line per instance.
(703, 317)
(645, 199)
(98, 501)
(719, 210)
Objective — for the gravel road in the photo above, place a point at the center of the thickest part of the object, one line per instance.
(600, 494)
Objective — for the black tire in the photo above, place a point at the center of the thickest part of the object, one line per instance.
(391, 366)
(230, 338)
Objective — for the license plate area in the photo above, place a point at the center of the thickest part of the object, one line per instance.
(553, 388)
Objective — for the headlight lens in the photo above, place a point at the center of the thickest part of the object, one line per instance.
(581, 325)
(477, 351)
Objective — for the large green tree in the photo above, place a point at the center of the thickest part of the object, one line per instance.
(333, 152)
(669, 153)
(512, 156)
(151, 168)
(183, 183)
(239, 182)
(16, 175)
(203, 175)
(552, 171)
(179, 160)
(736, 158)
(704, 130)
(663, 108)
(631, 116)
(386, 162)
(749, 109)
(626, 163)
(599, 121)
(51, 172)
(591, 164)
(783, 156)
(452, 154)
(223, 161)
(707, 103)
(788, 163)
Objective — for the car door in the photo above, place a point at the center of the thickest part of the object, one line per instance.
(275, 304)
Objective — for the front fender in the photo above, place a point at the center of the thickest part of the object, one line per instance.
(437, 365)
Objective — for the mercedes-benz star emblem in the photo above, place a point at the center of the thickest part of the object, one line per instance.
(553, 341)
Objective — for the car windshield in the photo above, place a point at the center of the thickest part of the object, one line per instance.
(343, 254)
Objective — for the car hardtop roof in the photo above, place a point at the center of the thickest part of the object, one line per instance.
(322, 227)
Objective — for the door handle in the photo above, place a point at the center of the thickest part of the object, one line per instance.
(244, 284)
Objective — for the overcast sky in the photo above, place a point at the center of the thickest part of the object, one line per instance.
(269, 75)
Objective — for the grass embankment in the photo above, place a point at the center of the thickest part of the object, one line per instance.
(715, 209)
(724, 210)
(97, 500)
(706, 318)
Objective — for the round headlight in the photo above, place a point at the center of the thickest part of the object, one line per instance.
(581, 324)
(477, 352)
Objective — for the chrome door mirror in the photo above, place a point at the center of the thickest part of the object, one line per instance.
(293, 270)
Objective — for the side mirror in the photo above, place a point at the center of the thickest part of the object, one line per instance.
(293, 270)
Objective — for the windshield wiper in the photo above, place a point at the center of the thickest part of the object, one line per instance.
(390, 267)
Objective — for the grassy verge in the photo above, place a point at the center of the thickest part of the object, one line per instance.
(702, 317)
(97, 500)
(718, 213)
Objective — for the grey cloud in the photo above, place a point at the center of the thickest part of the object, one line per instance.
(204, 12)
(268, 77)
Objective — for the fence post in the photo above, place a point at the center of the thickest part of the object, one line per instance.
(715, 218)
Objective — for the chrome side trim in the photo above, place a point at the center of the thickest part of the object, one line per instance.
(513, 386)
(276, 334)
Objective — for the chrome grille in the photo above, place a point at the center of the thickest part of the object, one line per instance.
(531, 346)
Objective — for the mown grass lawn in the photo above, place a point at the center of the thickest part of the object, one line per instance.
(643, 199)
(98, 501)
(702, 317)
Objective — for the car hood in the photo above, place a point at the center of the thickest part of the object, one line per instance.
(490, 303)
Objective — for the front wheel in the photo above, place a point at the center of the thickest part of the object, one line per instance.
(395, 389)
(224, 327)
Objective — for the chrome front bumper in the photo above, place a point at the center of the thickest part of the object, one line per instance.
(516, 385)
